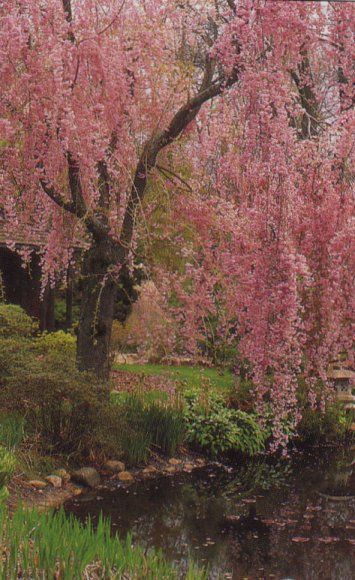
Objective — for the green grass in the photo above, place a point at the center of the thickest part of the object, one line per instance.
(193, 376)
(52, 545)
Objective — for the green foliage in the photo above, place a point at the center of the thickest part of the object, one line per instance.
(321, 423)
(7, 467)
(52, 545)
(243, 396)
(39, 381)
(216, 428)
(11, 430)
(148, 422)
(15, 322)
(60, 342)
(60, 312)
(192, 376)
(219, 348)
(317, 426)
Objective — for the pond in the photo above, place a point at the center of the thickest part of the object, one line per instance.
(291, 519)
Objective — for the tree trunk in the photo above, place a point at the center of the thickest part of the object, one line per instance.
(69, 300)
(97, 308)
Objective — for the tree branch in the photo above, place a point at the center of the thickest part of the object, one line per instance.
(69, 17)
(56, 197)
(182, 118)
(77, 206)
(169, 174)
(75, 185)
(232, 6)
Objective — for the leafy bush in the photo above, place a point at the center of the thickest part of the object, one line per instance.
(323, 426)
(52, 545)
(214, 427)
(39, 381)
(15, 322)
(321, 423)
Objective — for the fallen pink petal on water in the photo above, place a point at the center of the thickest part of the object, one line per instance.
(328, 540)
(314, 508)
(300, 539)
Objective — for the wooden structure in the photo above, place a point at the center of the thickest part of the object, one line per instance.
(342, 376)
(21, 283)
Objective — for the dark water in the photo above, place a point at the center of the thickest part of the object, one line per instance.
(254, 521)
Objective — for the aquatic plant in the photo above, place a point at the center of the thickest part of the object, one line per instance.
(148, 423)
(7, 466)
(48, 545)
(11, 430)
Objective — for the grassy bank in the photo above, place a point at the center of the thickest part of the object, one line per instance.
(53, 545)
(192, 376)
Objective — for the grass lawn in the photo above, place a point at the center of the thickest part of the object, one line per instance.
(192, 375)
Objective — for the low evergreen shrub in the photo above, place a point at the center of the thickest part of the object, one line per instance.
(39, 382)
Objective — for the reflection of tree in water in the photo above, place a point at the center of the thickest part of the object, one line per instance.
(249, 539)
(340, 480)
(263, 475)
(208, 515)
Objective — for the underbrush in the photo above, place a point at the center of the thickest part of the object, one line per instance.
(53, 545)
(7, 467)
(67, 412)
(39, 382)
(215, 428)
(324, 421)
(150, 424)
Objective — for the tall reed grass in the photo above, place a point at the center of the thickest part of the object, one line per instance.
(147, 424)
(53, 545)
(11, 430)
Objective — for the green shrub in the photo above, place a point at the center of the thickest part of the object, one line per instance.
(15, 322)
(52, 545)
(39, 381)
(323, 426)
(214, 427)
(320, 424)
(60, 313)
(58, 343)
(243, 395)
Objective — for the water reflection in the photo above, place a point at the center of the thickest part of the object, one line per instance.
(291, 520)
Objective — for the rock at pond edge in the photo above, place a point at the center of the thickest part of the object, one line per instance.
(54, 480)
(125, 476)
(115, 466)
(86, 476)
